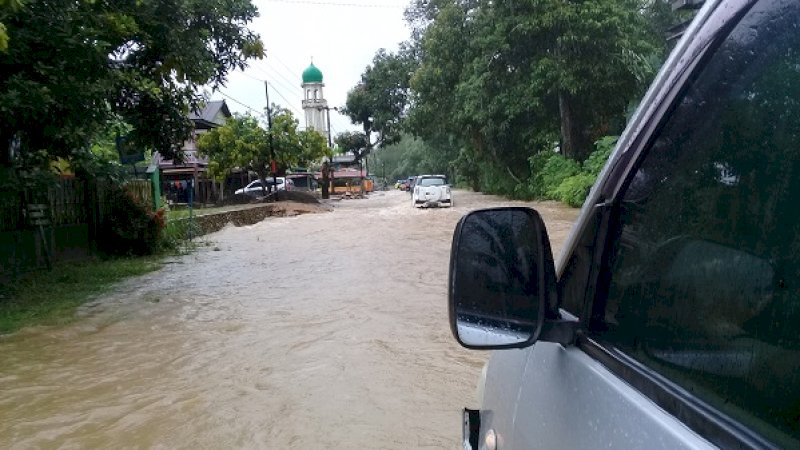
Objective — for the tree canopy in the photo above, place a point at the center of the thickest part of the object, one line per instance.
(70, 67)
(354, 142)
(490, 86)
(379, 101)
(243, 143)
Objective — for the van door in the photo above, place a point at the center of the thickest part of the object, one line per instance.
(692, 338)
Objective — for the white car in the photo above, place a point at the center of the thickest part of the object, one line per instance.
(254, 188)
(431, 190)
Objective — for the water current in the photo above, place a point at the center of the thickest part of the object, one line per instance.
(321, 331)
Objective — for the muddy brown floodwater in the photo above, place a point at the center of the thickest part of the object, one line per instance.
(318, 331)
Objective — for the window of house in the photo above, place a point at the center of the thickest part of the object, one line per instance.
(705, 271)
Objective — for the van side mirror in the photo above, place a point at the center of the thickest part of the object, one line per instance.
(502, 277)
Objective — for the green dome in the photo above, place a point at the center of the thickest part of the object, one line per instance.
(312, 74)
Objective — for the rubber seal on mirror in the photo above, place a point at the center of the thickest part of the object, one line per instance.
(561, 331)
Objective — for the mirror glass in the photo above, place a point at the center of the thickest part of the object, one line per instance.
(495, 277)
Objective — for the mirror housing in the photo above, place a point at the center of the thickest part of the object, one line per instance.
(502, 283)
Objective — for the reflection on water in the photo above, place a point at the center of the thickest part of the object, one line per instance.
(317, 331)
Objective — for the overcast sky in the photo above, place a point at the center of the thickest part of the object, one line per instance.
(341, 35)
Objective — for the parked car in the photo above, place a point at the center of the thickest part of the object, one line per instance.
(431, 190)
(671, 317)
(254, 188)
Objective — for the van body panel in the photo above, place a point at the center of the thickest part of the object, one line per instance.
(569, 400)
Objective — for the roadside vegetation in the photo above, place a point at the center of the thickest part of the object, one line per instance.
(84, 84)
(521, 99)
(243, 142)
(50, 297)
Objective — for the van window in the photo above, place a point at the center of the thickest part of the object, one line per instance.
(705, 271)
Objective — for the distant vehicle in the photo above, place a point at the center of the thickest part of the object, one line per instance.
(405, 185)
(412, 181)
(431, 190)
(254, 188)
(302, 182)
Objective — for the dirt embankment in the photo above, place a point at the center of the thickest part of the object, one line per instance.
(289, 205)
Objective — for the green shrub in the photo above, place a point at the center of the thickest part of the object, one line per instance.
(535, 186)
(177, 233)
(573, 190)
(129, 228)
(597, 159)
(496, 180)
(558, 178)
(555, 171)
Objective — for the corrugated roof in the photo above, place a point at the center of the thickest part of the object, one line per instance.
(210, 111)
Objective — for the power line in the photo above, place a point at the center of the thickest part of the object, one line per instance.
(299, 97)
(292, 91)
(289, 103)
(258, 69)
(275, 57)
(252, 77)
(240, 103)
(289, 82)
(348, 5)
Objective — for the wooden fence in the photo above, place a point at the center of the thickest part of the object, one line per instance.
(10, 211)
(70, 202)
(73, 213)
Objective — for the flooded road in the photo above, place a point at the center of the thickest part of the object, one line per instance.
(317, 331)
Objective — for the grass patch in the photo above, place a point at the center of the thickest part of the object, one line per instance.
(50, 298)
(175, 214)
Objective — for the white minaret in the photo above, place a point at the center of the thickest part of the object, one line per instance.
(314, 103)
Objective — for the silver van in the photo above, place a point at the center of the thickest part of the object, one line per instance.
(672, 317)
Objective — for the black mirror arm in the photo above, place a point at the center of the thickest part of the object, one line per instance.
(563, 330)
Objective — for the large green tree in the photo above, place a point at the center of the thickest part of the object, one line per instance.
(7, 7)
(71, 66)
(380, 99)
(512, 75)
(244, 143)
(498, 82)
(354, 142)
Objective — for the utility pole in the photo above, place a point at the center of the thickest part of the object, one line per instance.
(273, 163)
(367, 150)
(326, 179)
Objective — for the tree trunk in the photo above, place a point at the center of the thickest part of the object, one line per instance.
(575, 144)
(567, 137)
(325, 180)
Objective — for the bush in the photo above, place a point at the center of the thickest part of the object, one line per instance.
(129, 228)
(597, 159)
(555, 171)
(573, 190)
(535, 186)
(555, 177)
(496, 180)
(176, 234)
